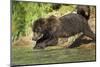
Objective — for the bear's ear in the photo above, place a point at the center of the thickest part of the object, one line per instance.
(52, 18)
(42, 21)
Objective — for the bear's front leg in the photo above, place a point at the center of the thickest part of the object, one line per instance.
(44, 43)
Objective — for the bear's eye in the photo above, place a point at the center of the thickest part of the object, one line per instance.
(38, 29)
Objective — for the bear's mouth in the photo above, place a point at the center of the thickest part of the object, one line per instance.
(37, 36)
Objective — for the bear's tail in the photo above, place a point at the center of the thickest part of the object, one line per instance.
(83, 10)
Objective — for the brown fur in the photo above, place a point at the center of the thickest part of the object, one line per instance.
(52, 28)
(84, 10)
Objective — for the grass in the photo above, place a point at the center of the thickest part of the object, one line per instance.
(23, 55)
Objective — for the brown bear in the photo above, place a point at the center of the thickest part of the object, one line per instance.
(46, 31)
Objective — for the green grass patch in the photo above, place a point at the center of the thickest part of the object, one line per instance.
(21, 55)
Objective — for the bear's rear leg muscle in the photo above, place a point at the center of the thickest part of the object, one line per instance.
(90, 34)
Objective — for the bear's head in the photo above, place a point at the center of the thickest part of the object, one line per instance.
(39, 28)
(43, 25)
